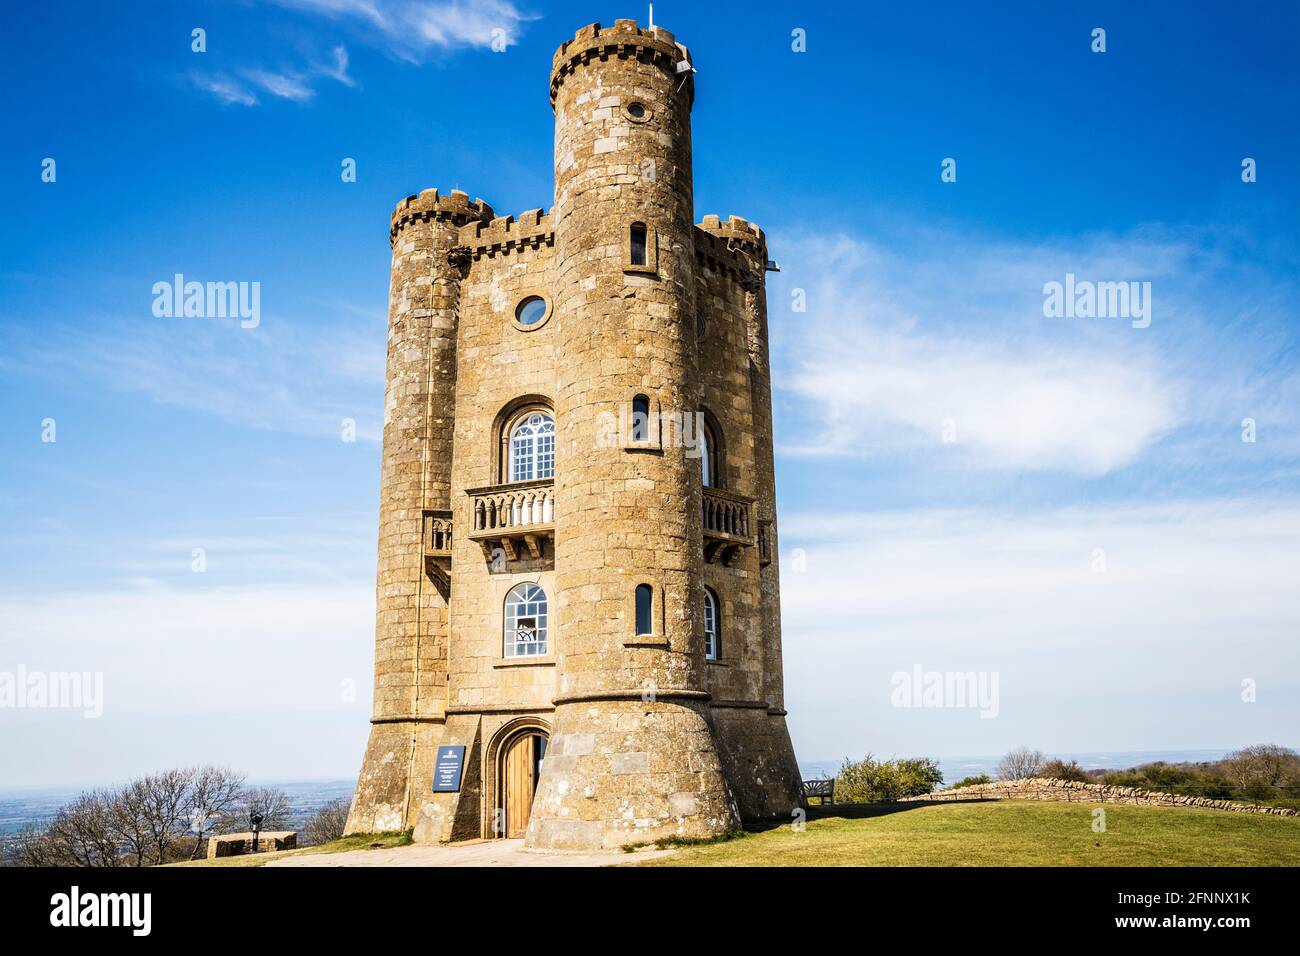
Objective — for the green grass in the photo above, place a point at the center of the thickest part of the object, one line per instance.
(357, 841)
(1009, 833)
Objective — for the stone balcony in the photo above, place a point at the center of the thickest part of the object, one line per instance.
(519, 517)
(437, 548)
(728, 525)
(513, 517)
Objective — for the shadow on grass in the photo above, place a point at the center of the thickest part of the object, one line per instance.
(852, 811)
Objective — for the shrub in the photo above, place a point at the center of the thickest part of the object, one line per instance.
(1125, 778)
(1183, 779)
(872, 781)
(1060, 770)
(972, 781)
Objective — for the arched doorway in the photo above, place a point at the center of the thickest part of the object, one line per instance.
(518, 770)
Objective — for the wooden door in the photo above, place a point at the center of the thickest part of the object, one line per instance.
(520, 780)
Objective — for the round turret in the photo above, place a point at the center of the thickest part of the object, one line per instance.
(633, 756)
(431, 206)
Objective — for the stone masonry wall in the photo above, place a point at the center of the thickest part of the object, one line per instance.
(1046, 788)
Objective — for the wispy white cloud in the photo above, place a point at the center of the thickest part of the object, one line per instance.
(296, 85)
(283, 85)
(286, 377)
(943, 345)
(338, 69)
(413, 29)
(224, 88)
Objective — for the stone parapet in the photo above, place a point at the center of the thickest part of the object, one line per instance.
(625, 39)
(431, 206)
(239, 844)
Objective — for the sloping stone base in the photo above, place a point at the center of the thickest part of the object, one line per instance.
(620, 772)
(758, 762)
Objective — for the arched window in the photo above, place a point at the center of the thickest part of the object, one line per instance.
(708, 457)
(640, 418)
(712, 644)
(525, 622)
(532, 447)
(644, 609)
(710, 454)
(638, 250)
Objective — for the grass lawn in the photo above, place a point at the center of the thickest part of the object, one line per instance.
(1009, 833)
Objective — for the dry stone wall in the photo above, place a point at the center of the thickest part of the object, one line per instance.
(1046, 788)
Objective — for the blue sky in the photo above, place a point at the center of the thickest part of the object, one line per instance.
(924, 307)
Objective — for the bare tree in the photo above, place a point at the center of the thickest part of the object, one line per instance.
(326, 824)
(1261, 766)
(272, 804)
(1020, 764)
(32, 846)
(128, 819)
(82, 833)
(144, 822)
(212, 797)
(165, 810)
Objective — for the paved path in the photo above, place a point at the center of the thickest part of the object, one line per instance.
(481, 853)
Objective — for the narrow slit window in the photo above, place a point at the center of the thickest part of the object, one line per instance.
(708, 461)
(644, 600)
(640, 418)
(638, 244)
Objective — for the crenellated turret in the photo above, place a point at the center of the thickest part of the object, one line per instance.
(411, 622)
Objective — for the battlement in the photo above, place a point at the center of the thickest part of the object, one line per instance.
(736, 247)
(429, 204)
(505, 233)
(736, 230)
(624, 39)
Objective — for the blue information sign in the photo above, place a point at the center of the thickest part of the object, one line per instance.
(446, 769)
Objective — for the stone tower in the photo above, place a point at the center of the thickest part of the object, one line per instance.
(578, 607)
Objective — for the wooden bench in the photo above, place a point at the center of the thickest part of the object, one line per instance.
(823, 789)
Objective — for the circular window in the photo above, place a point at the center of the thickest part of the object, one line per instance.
(637, 111)
(699, 324)
(532, 312)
